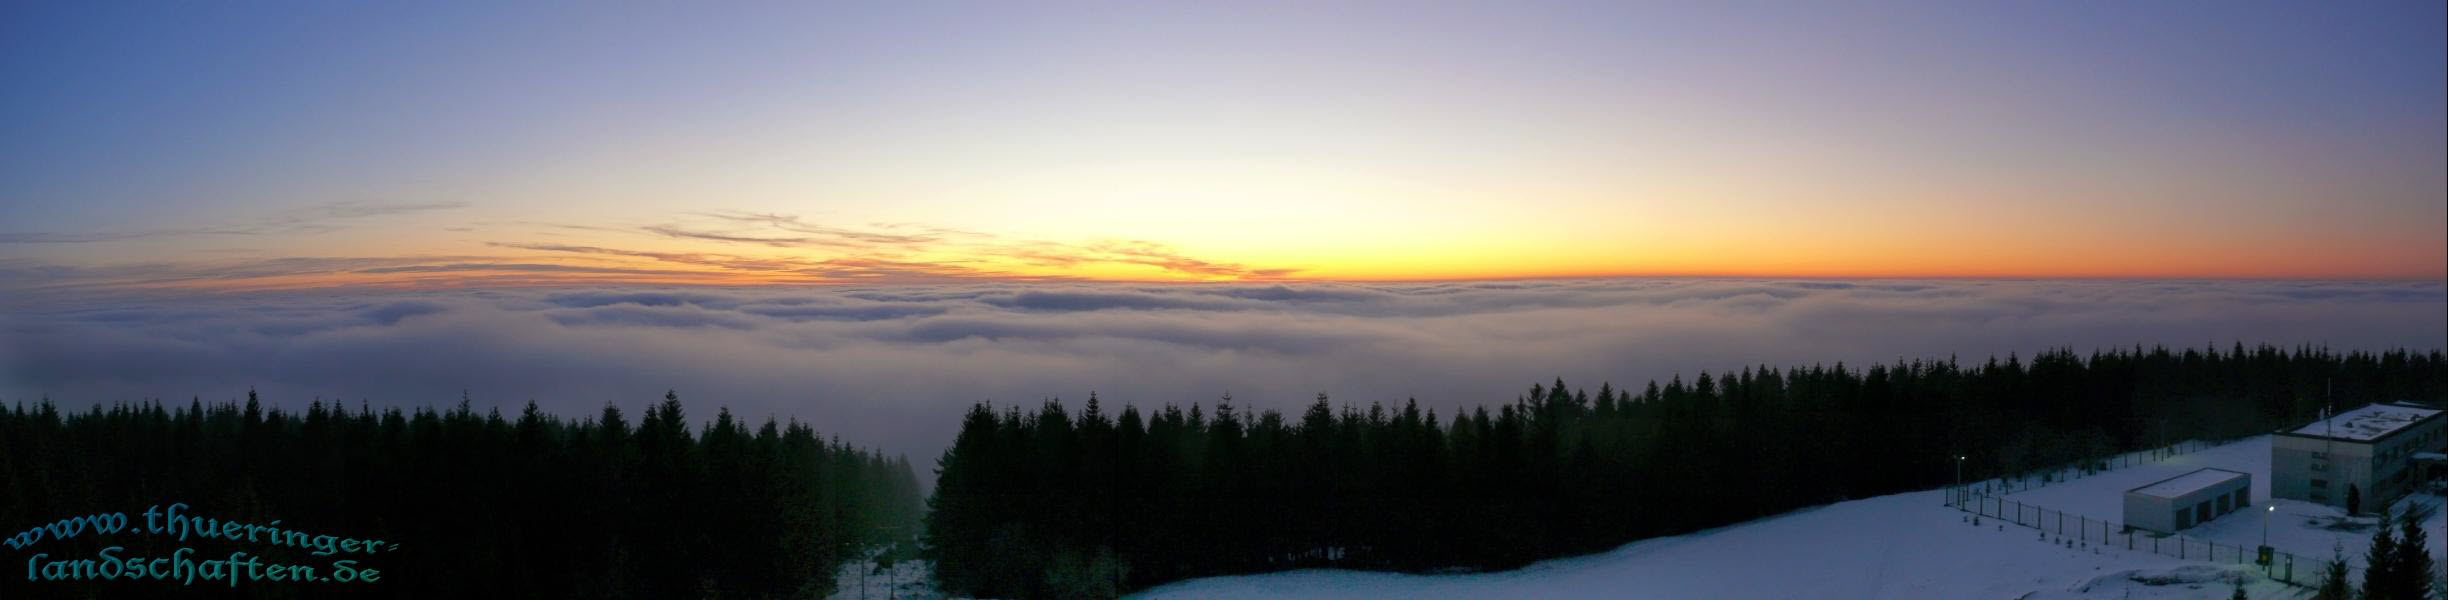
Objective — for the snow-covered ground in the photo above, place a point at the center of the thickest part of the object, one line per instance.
(865, 580)
(2299, 527)
(1898, 546)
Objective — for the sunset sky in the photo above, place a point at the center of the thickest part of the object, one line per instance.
(220, 145)
(410, 203)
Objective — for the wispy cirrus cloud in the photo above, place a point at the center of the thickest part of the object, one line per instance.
(714, 247)
(810, 270)
(795, 224)
(721, 261)
(876, 253)
(1164, 257)
(883, 252)
(791, 231)
(777, 242)
(523, 267)
(1131, 252)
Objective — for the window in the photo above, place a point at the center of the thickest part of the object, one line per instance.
(2243, 497)
(2320, 466)
(2320, 484)
(2223, 506)
(2201, 512)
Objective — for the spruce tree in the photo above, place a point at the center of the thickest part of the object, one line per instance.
(2412, 569)
(2333, 584)
(2380, 579)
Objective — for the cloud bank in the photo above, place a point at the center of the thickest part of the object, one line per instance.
(892, 366)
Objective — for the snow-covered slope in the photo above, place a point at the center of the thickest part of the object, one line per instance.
(1899, 546)
(2309, 530)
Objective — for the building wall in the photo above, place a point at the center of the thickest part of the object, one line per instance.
(2381, 470)
(2159, 514)
(2392, 460)
(2296, 463)
(2149, 512)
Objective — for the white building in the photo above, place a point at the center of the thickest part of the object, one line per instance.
(2369, 450)
(2183, 501)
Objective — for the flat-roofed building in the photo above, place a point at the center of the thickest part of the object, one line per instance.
(2173, 504)
(2369, 450)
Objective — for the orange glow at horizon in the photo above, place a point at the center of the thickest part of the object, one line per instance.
(626, 259)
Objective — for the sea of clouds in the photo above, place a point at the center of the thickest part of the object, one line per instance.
(893, 366)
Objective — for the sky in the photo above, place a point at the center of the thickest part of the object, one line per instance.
(258, 146)
(870, 215)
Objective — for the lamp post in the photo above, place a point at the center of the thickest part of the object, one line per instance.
(2265, 517)
(1959, 489)
(2265, 547)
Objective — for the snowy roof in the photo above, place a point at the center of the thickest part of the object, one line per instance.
(2368, 423)
(2180, 485)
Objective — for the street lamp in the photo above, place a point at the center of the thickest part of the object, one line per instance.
(2265, 548)
(2265, 517)
(1959, 491)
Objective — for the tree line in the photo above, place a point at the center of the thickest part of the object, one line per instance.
(482, 506)
(2397, 565)
(1051, 503)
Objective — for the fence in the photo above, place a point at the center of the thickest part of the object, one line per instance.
(2059, 527)
(1984, 499)
(2043, 477)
